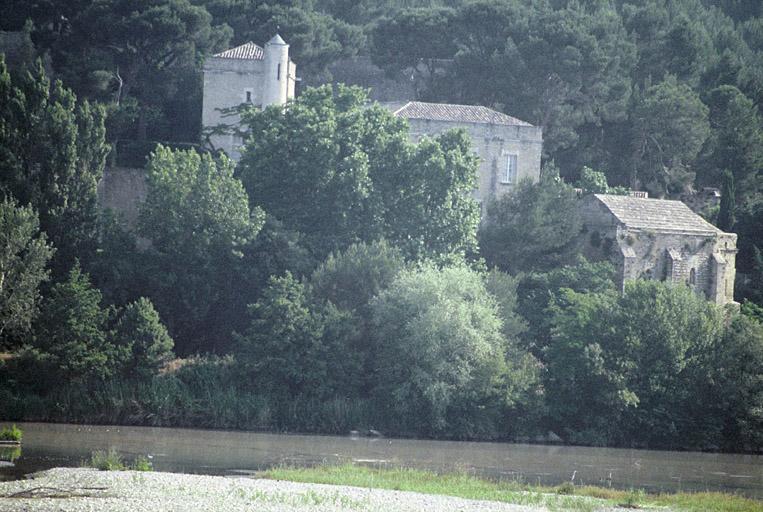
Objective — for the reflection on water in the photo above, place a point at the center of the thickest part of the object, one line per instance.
(242, 453)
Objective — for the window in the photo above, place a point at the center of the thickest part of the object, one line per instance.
(278, 75)
(692, 277)
(511, 169)
(248, 96)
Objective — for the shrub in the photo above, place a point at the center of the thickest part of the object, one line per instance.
(442, 364)
(143, 338)
(109, 460)
(142, 464)
(12, 433)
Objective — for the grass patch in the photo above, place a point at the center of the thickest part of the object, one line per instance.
(12, 433)
(562, 497)
(460, 485)
(111, 460)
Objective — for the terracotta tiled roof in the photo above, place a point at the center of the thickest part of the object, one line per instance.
(655, 214)
(456, 113)
(247, 51)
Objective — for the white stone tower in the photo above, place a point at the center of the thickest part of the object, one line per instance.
(244, 74)
(276, 72)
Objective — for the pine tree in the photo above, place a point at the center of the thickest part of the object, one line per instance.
(726, 218)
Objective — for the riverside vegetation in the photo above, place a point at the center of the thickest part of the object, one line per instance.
(337, 278)
(562, 497)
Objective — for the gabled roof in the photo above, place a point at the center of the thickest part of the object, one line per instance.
(456, 113)
(247, 51)
(656, 214)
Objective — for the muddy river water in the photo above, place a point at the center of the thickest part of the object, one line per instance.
(242, 453)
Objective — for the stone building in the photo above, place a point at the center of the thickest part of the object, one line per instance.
(509, 149)
(659, 239)
(244, 74)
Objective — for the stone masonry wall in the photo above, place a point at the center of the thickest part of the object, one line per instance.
(493, 144)
(122, 189)
(226, 82)
(644, 254)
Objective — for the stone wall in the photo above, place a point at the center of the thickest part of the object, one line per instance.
(122, 189)
(493, 144)
(705, 262)
(226, 82)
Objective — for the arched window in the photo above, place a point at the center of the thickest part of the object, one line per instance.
(692, 277)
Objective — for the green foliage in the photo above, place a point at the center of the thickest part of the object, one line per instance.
(52, 152)
(70, 339)
(315, 38)
(24, 254)
(340, 173)
(539, 290)
(738, 383)
(197, 217)
(110, 460)
(149, 50)
(413, 37)
(735, 142)
(12, 433)
(595, 182)
(670, 124)
(534, 227)
(726, 217)
(631, 366)
(142, 463)
(442, 362)
(283, 352)
(752, 310)
(140, 334)
(350, 279)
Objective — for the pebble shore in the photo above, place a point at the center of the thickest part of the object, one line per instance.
(84, 490)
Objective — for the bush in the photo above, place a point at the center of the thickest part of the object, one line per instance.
(142, 464)
(109, 460)
(441, 365)
(143, 339)
(12, 433)
(70, 336)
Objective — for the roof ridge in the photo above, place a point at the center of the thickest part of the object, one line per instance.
(457, 113)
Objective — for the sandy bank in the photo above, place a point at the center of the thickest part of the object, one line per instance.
(70, 490)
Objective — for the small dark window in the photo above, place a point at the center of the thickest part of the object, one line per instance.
(248, 96)
(278, 76)
(692, 277)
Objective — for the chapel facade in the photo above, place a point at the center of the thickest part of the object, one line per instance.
(661, 240)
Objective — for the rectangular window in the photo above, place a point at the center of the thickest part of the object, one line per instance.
(248, 96)
(511, 169)
(278, 76)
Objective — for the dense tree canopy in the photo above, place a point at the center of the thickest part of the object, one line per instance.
(341, 173)
(24, 254)
(52, 154)
(535, 226)
(197, 217)
(442, 355)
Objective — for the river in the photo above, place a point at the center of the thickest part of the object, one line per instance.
(242, 453)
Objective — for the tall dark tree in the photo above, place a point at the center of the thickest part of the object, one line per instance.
(197, 217)
(24, 254)
(52, 152)
(140, 49)
(726, 216)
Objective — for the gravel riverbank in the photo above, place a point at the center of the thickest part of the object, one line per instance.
(80, 490)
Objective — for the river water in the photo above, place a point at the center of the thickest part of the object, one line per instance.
(243, 453)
